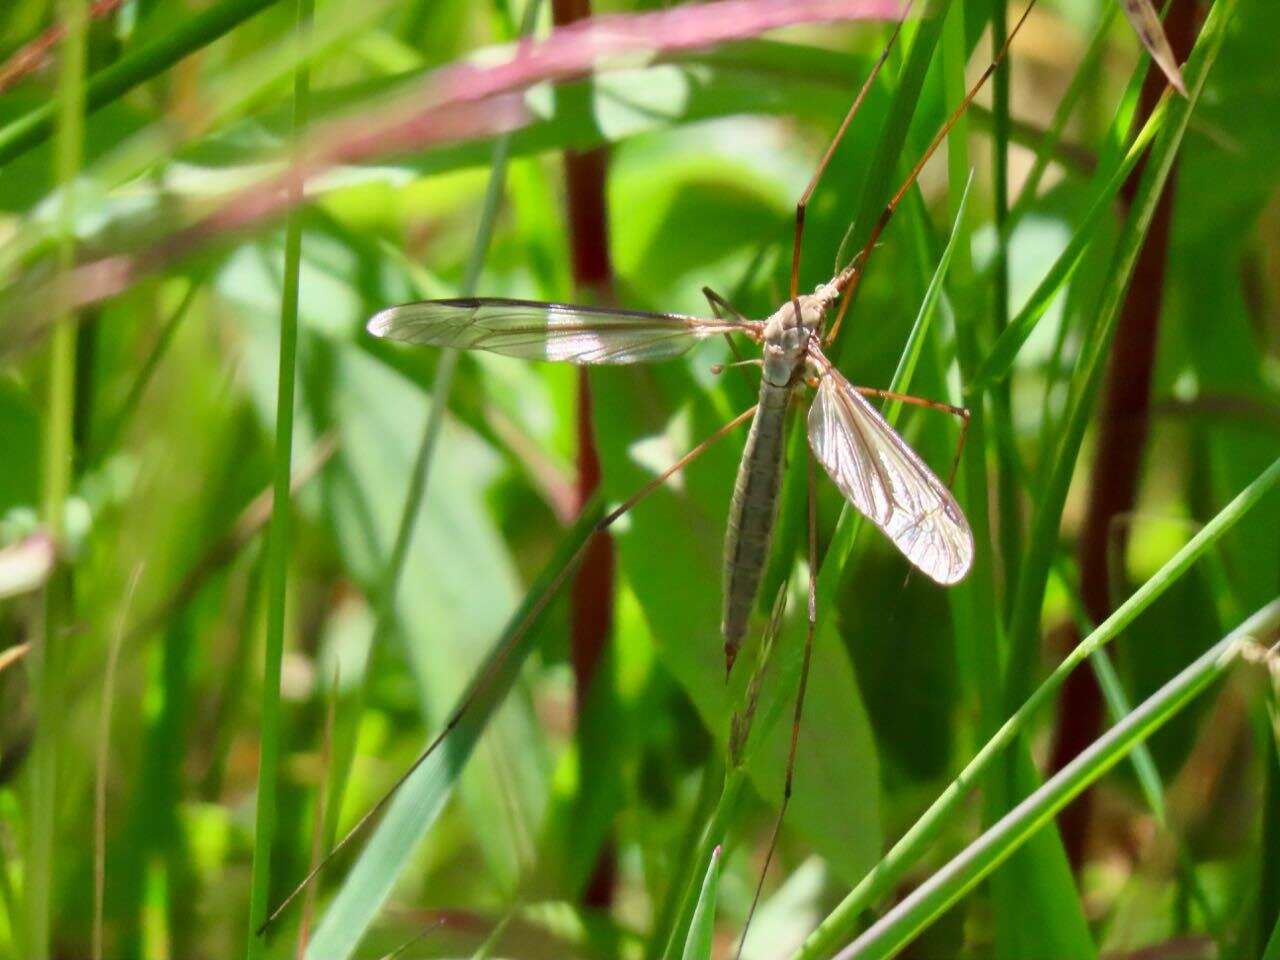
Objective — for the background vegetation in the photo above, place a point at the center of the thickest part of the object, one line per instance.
(200, 696)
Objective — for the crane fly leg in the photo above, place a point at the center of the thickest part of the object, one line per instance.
(722, 308)
(961, 412)
(803, 204)
(848, 279)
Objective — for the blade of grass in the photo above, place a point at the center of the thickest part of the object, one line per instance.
(999, 361)
(277, 559)
(100, 774)
(893, 134)
(138, 66)
(702, 929)
(717, 827)
(1008, 514)
(1085, 75)
(973, 601)
(1024, 621)
(110, 434)
(47, 681)
(843, 921)
(385, 618)
(901, 924)
(420, 795)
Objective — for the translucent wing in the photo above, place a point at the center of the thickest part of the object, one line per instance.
(532, 330)
(886, 480)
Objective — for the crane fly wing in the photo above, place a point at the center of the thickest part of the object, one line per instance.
(887, 481)
(532, 330)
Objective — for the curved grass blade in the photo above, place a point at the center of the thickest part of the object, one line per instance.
(698, 944)
(129, 71)
(278, 534)
(901, 924)
(1005, 350)
(1043, 542)
(842, 921)
(421, 794)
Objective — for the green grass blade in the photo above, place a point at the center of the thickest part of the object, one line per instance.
(1005, 350)
(277, 562)
(702, 929)
(1113, 693)
(725, 811)
(843, 921)
(134, 68)
(901, 924)
(422, 795)
(879, 179)
(1025, 617)
(419, 475)
(46, 662)
(1085, 75)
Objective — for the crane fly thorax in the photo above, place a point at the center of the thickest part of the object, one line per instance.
(787, 333)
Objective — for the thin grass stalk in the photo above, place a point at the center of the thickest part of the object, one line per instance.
(1123, 428)
(59, 453)
(277, 558)
(389, 590)
(108, 85)
(1001, 414)
(843, 921)
(1084, 77)
(928, 901)
(672, 901)
(102, 764)
(111, 432)
(717, 827)
(974, 601)
(703, 926)
(1024, 622)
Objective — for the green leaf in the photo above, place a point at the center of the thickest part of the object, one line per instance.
(420, 798)
(928, 901)
(702, 930)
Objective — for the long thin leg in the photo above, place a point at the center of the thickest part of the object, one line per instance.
(810, 630)
(961, 412)
(803, 203)
(722, 307)
(848, 279)
(496, 663)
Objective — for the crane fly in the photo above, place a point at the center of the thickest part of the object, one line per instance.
(873, 467)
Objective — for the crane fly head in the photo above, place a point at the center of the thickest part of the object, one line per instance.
(787, 333)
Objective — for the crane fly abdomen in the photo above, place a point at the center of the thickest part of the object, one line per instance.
(752, 513)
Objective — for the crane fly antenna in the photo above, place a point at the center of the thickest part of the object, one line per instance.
(491, 669)
(848, 279)
(803, 203)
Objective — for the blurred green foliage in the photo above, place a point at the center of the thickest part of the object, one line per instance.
(174, 415)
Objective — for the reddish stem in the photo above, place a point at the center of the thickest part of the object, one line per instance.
(1123, 422)
(591, 596)
(36, 54)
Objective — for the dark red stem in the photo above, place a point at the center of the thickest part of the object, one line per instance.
(1123, 421)
(591, 596)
